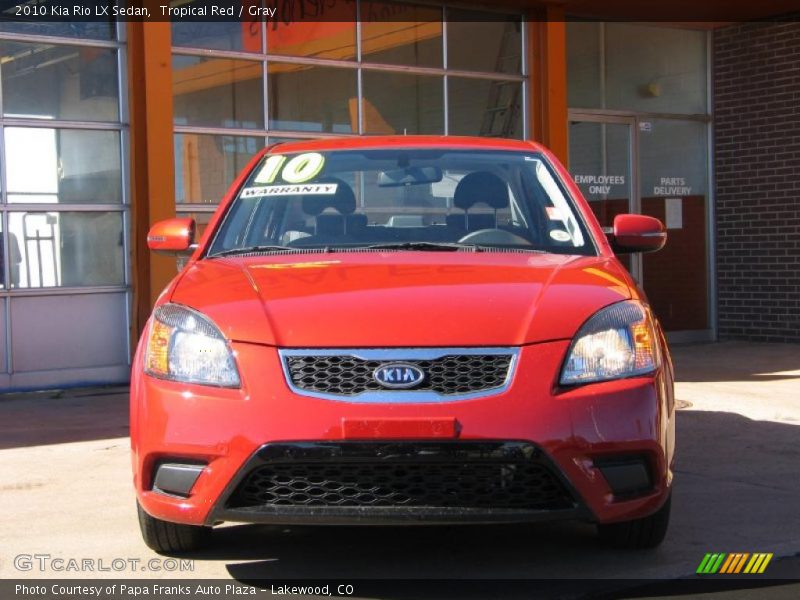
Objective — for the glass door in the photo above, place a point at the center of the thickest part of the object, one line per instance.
(601, 151)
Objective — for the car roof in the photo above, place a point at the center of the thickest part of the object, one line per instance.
(407, 141)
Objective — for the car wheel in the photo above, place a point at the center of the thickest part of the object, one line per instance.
(648, 532)
(166, 537)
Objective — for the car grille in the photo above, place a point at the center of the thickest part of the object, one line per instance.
(405, 481)
(452, 374)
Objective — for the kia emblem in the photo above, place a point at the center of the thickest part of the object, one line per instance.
(398, 376)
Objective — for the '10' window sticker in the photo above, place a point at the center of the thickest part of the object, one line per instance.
(299, 169)
(295, 171)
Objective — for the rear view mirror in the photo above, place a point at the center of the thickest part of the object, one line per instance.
(172, 236)
(410, 176)
(637, 233)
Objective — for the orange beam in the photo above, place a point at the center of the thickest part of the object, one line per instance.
(152, 157)
(547, 57)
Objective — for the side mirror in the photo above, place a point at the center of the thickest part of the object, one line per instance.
(638, 233)
(173, 236)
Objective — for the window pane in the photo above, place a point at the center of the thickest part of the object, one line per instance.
(67, 248)
(69, 331)
(484, 107)
(334, 37)
(584, 87)
(647, 69)
(63, 165)
(500, 47)
(307, 98)
(600, 162)
(242, 36)
(59, 82)
(655, 69)
(217, 92)
(416, 40)
(205, 165)
(101, 30)
(401, 103)
(673, 158)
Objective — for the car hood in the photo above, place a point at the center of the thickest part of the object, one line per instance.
(401, 299)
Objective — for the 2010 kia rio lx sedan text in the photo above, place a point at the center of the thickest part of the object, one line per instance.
(397, 330)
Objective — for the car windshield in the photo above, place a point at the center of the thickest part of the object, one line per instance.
(415, 199)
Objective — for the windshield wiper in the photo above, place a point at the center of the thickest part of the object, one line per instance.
(249, 249)
(425, 246)
(411, 246)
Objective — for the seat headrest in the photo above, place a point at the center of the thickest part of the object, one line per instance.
(330, 225)
(343, 201)
(481, 186)
(356, 222)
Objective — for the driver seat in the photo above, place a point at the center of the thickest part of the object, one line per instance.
(330, 225)
(480, 187)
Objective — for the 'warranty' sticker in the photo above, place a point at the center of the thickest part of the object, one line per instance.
(290, 190)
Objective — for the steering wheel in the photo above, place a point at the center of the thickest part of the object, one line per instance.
(493, 236)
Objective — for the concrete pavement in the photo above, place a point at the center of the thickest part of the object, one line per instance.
(66, 492)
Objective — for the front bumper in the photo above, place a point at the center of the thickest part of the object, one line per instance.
(232, 431)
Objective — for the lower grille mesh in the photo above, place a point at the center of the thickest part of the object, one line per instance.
(512, 485)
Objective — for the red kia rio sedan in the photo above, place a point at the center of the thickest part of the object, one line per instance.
(403, 330)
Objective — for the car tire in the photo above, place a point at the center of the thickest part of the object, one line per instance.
(171, 538)
(638, 534)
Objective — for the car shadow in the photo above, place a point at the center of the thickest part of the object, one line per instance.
(729, 468)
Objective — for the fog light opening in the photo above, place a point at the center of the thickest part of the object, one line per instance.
(627, 476)
(174, 478)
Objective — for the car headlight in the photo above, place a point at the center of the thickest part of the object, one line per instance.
(618, 341)
(184, 345)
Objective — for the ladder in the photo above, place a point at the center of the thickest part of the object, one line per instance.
(502, 112)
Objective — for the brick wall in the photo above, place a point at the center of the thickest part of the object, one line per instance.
(757, 148)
